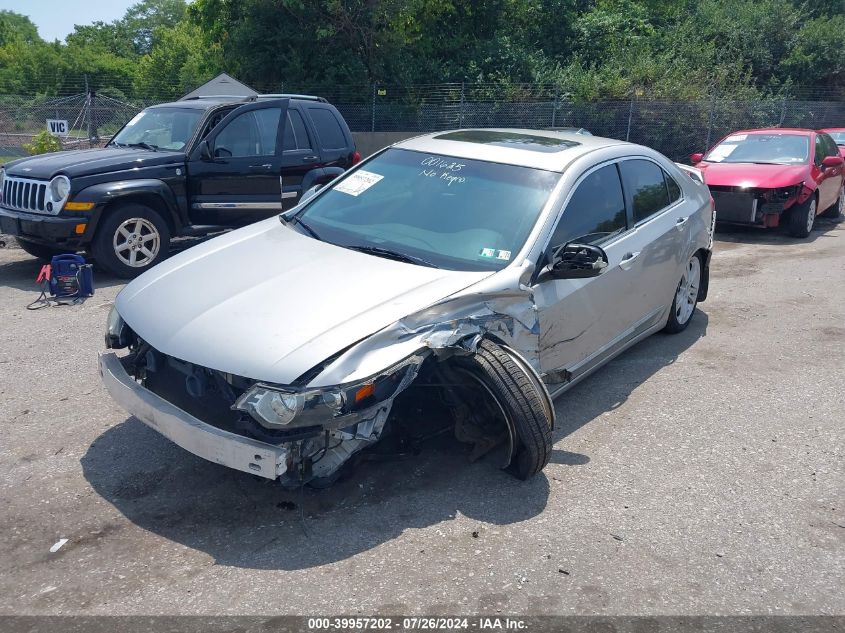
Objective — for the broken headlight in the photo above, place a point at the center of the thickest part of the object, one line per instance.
(117, 332)
(785, 193)
(278, 407)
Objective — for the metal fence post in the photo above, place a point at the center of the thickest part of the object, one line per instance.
(373, 118)
(461, 113)
(783, 109)
(554, 108)
(710, 121)
(630, 116)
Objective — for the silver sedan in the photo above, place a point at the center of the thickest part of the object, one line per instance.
(453, 282)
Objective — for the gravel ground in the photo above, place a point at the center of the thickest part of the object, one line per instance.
(695, 474)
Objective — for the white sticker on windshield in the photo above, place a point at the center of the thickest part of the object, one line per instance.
(736, 138)
(504, 255)
(487, 252)
(135, 119)
(723, 151)
(358, 183)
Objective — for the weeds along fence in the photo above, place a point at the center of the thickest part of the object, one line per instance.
(675, 128)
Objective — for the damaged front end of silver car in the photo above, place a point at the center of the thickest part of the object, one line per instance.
(407, 382)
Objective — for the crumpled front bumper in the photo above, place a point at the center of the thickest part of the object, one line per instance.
(181, 428)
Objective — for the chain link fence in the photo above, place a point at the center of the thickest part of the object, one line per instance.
(675, 128)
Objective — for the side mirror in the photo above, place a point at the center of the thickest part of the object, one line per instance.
(832, 161)
(204, 150)
(696, 158)
(577, 261)
(310, 193)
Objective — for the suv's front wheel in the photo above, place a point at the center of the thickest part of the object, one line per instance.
(130, 240)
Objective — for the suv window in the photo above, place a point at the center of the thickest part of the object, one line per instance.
(252, 133)
(328, 128)
(645, 187)
(296, 136)
(595, 211)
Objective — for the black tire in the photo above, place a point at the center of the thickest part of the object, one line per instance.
(42, 252)
(680, 318)
(114, 252)
(837, 208)
(798, 223)
(516, 394)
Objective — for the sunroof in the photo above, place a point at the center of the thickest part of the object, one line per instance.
(515, 140)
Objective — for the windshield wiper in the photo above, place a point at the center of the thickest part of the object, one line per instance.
(378, 251)
(297, 220)
(143, 146)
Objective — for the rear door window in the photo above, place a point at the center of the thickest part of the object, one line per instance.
(328, 128)
(296, 136)
(645, 187)
(596, 210)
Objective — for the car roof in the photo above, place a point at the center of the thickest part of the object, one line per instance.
(540, 149)
(775, 130)
(832, 129)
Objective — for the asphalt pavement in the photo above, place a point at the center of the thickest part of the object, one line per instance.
(695, 474)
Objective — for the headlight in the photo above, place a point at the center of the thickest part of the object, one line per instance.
(279, 408)
(117, 332)
(59, 188)
(785, 193)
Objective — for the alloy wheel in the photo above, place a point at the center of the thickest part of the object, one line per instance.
(686, 295)
(811, 215)
(136, 242)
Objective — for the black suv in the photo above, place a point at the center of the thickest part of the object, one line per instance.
(186, 168)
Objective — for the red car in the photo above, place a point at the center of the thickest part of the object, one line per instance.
(838, 135)
(775, 177)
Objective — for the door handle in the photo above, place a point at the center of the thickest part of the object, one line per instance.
(309, 159)
(628, 260)
(264, 166)
(681, 223)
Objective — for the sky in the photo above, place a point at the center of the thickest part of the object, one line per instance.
(55, 18)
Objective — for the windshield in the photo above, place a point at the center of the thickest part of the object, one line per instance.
(838, 137)
(775, 149)
(448, 212)
(160, 128)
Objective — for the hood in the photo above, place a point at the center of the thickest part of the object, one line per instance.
(753, 176)
(83, 162)
(268, 303)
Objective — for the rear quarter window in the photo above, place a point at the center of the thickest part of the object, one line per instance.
(328, 127)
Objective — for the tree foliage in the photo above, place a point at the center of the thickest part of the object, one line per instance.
(678, 49)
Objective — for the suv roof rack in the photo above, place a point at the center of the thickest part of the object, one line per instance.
(217, 97)
(291, 96)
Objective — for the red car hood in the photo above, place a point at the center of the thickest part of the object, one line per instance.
(751, 175)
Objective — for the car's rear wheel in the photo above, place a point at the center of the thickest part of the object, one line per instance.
(838, 207)
(801, 218)
(686, 297)
(131, 239)
(42, 252)
(514, 398)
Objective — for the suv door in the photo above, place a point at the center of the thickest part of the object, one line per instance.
(299, 156)
(584, 320)
(234, 174)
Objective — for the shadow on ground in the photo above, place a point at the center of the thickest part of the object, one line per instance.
(244, 521)
(743, 234)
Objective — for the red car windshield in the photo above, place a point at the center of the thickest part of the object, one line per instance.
(765, 149)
